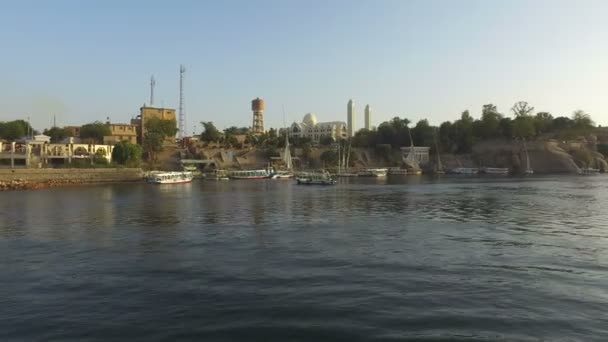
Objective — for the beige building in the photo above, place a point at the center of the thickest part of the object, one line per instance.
(120, 132)
(310, 128)
(146, 113)
(73, 131)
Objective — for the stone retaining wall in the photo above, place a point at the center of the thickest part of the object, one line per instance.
(71, 175)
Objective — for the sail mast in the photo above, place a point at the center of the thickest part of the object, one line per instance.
(439, 166)
(527, 156)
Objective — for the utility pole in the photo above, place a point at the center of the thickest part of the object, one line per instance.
(182, 114)
(152, 84)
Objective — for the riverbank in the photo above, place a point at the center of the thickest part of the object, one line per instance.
(29, 179)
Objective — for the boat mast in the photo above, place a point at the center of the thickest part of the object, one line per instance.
(339, 160)
(527, 155)
(439, 166)
(347, 155)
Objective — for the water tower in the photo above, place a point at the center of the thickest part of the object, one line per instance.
(257, 106)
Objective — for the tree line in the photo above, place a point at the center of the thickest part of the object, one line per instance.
(460, 135)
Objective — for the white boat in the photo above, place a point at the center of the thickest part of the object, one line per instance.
(170, 177)
(217, 175)
(397, 171)
(495, 170)
(464, 171)
(250, 174)
(439, 167)
(315, 178)
(528, 170)
(285, 174)
(373, 173)
(410, 161)
(346, 174)
(282, 175)
(589, 171)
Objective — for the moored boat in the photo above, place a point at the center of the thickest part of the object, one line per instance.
(373, 173)
(315, 178)
(249, 174)
(397, 171)
(170, 177)
(285, 174)
(217, 175)
(282, 175)
(528, 170)
(464, 171)
(589, 171)
(494, 171)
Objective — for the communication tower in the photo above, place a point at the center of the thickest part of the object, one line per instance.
(182, 114)
(152, 84)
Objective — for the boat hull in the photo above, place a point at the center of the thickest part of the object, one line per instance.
(315, 182)
(373, 173)
(170, 177)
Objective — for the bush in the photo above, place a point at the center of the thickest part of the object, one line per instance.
(125, 153)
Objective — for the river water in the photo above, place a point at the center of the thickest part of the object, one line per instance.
(448, 259)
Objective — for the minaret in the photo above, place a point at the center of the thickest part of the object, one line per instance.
(368, 118)
(350, 118)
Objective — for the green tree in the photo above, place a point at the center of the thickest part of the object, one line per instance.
(57, 134)
(523, 127)
(394, 132)
(463, 132)
(99, 158)
(326, 140)
(522, 108)
(423, 133)
(168, 128)
(153, 143)
(329, 157)
(13, 130)
(446, 143)
(94, 132)
(210, 133)
(125, 153)
(157, 131)
(562, 122)
(490, 122)
(505, 128)
(582, 120)
(543, 122)
(365, 138)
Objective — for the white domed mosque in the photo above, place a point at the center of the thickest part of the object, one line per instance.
(310, 128)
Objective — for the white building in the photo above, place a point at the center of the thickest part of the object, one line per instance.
(310, 128)
(368, 118)
(350, 118)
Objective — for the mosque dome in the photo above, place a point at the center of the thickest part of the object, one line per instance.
(310, 119)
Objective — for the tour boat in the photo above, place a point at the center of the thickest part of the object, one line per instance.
(346, 174)
(170, 177)
(282, 175)
(217, 175)
(464, 171)
(589, 171)
(250, 174)
(495, 170)
(315, 178)
(373, 173)
(397, 171)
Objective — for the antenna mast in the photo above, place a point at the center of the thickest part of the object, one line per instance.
(152, 84)
(182, 114)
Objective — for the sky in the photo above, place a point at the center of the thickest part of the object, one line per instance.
(86, 60)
